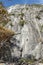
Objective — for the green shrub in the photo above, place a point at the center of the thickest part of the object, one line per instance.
(22, 22)
(4, 16)
(27, 8)
(21, 18)
(38, 17)
(11, 24)
(22, 14)
(26, 60)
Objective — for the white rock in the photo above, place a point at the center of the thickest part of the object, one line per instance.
(29, 32)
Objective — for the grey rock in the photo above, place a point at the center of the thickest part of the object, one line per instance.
(30, 32)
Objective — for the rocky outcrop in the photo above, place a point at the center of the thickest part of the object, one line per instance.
(28, 21)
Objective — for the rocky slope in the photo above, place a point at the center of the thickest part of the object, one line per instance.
(28, 21)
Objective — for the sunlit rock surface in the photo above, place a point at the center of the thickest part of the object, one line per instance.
(27, 20)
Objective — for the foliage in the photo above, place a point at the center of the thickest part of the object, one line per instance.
(5, 53)
(27, 8)
(4, 16)
(5, 35)
(11, 24)
(41, 29)
(41, 11)
(26, 60)
(22, 22)
(22, 14)
(38, 17)
(37, 5)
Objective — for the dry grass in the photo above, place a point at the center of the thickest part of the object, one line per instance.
(5, 33)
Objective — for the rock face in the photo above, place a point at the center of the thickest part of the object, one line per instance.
(27, 20)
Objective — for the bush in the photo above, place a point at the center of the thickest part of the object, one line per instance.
(41, 10)
(22, 22)
(26, 61)
(27, 8)
(38, 17)
(4, 16)
(22, 14)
